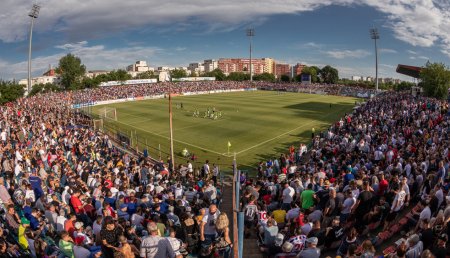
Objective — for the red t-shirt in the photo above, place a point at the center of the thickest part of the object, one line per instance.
(76, 203)
(383, 186)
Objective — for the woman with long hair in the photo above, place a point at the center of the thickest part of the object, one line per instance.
(368, 250)
(224, 243)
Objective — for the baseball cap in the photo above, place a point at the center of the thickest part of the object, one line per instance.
(78, 224)
(279, 240)
(312, 240)
(24, 220)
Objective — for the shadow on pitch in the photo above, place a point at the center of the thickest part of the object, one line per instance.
(320, 111)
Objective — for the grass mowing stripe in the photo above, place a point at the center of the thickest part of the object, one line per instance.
(290, 131)
(175, 140)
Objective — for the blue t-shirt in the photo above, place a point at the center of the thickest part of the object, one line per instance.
(348, 177)
(36, 185)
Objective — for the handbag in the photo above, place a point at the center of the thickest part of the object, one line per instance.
(221, 243)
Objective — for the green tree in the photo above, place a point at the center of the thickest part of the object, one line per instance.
(435, 80)
(403, 86)
(285, 78)
(313, 71)
(267, 77)
(147, 75)
(90, 83)
(72, 71)
(10, 91)
(329, 75)
(220, 76)
(43, 88)
(178, 73)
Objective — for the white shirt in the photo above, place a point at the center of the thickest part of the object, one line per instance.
(400, 200)
(440, 196)
(136, 219)
(60, 221)
(425, 214)
(96, 228)
(293, 213)
(288, 193)
(210, 223)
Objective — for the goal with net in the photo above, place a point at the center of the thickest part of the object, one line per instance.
(108, 113)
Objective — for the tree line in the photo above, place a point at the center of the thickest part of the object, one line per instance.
(434, 77)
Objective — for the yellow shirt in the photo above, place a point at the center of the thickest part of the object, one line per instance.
(22, 240)
(279, 215)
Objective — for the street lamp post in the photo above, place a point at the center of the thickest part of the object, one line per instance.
(375, 35)
(34, 13)
(250, 35)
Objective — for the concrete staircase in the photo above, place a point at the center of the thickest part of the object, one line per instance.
(251, 248)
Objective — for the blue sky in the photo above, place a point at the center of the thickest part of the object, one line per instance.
(110, 34)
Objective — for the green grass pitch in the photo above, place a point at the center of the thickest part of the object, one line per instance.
(258, 124)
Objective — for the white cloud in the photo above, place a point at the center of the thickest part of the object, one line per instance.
(388, 66)
(423, 57)
(311, 45)
(411, 52)
(340, 54)
(387, 50)
(418, 22)
(94, 57)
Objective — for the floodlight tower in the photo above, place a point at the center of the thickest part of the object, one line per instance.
(250, 35)
(375, 35)
(34, 13)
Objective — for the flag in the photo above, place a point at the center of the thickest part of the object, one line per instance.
(229, 144)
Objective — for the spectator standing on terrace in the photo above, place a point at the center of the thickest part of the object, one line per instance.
(208, 231)
(307, 198)
(205, 170)
(155, 246)
(288, 194)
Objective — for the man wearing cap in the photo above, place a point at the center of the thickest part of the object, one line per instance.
(311, 250)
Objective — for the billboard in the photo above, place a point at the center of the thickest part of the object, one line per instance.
(127, 82)
(305, 78)
(193, 79)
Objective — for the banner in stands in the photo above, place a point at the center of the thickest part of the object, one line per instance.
(127, 82)
(193, 79)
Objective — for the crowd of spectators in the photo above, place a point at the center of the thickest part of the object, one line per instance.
(151, 89)
(67, 191)
(376, 182)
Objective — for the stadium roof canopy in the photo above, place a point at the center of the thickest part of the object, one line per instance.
(408, 70)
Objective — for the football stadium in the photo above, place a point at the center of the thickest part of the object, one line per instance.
(299, 135)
